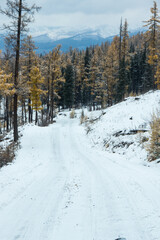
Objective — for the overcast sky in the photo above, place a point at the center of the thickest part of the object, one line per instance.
(76, 13)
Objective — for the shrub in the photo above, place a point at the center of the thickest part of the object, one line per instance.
(72, 114)
(153, 147)
(83, 118)
(7, 155)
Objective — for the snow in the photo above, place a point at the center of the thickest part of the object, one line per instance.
(62, 186)
(62, 32)
(135, 113)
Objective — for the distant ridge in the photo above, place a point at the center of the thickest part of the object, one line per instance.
(46, 42)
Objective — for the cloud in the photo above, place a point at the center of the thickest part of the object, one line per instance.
(134, 17)
(74, 13)
(91, 6)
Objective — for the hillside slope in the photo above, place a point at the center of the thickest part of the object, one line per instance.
(125, 127)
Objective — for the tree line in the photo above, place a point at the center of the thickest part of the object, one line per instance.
(96, 77)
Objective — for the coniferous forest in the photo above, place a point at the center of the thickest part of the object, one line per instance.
(97, 77)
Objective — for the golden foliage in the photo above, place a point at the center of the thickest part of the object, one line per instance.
(152, 35)
(110, 69)
(153, 147)
(157, 76)
(35, 88)
(6, 88)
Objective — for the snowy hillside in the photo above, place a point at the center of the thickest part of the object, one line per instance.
(60, 186)
(124, 128)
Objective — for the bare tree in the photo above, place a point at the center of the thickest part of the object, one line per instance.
(20, 15)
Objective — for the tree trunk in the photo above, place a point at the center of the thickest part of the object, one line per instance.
(52, 104)
(25, 113)
(36, 119)
(48, 93)
(29, 110)
(22, 113)
(15, 120)
(7, 115)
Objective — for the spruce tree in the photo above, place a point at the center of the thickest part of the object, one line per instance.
(86, 88)
(123, 64)
(69, 86)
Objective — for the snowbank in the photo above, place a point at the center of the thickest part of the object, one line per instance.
(124, 127)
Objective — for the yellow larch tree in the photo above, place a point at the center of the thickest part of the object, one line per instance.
(157, 76)
(152, 37)
(35, 84)
(6, 88)
(111, 70)
(56, 79)
(28, 60)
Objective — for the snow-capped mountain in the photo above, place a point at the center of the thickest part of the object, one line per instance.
(46, 38)
(57, 33)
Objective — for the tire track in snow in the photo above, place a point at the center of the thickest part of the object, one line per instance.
(127, 206)
(32, 211)
(79, 194)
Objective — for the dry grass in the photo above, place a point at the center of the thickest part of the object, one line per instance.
(83, 118)
(72, 114)
(153, 147)
(7, 155)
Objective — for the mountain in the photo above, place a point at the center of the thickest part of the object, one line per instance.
(78, 41)
(75, 38)
(57, 33)
(48, 38)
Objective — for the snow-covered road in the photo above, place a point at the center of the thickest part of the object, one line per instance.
(61, 188)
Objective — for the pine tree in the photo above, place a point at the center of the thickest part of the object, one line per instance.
(77, 68)
(122, 84)
(86, 88)
(69, 86)
(93, 79)
(145, 70)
